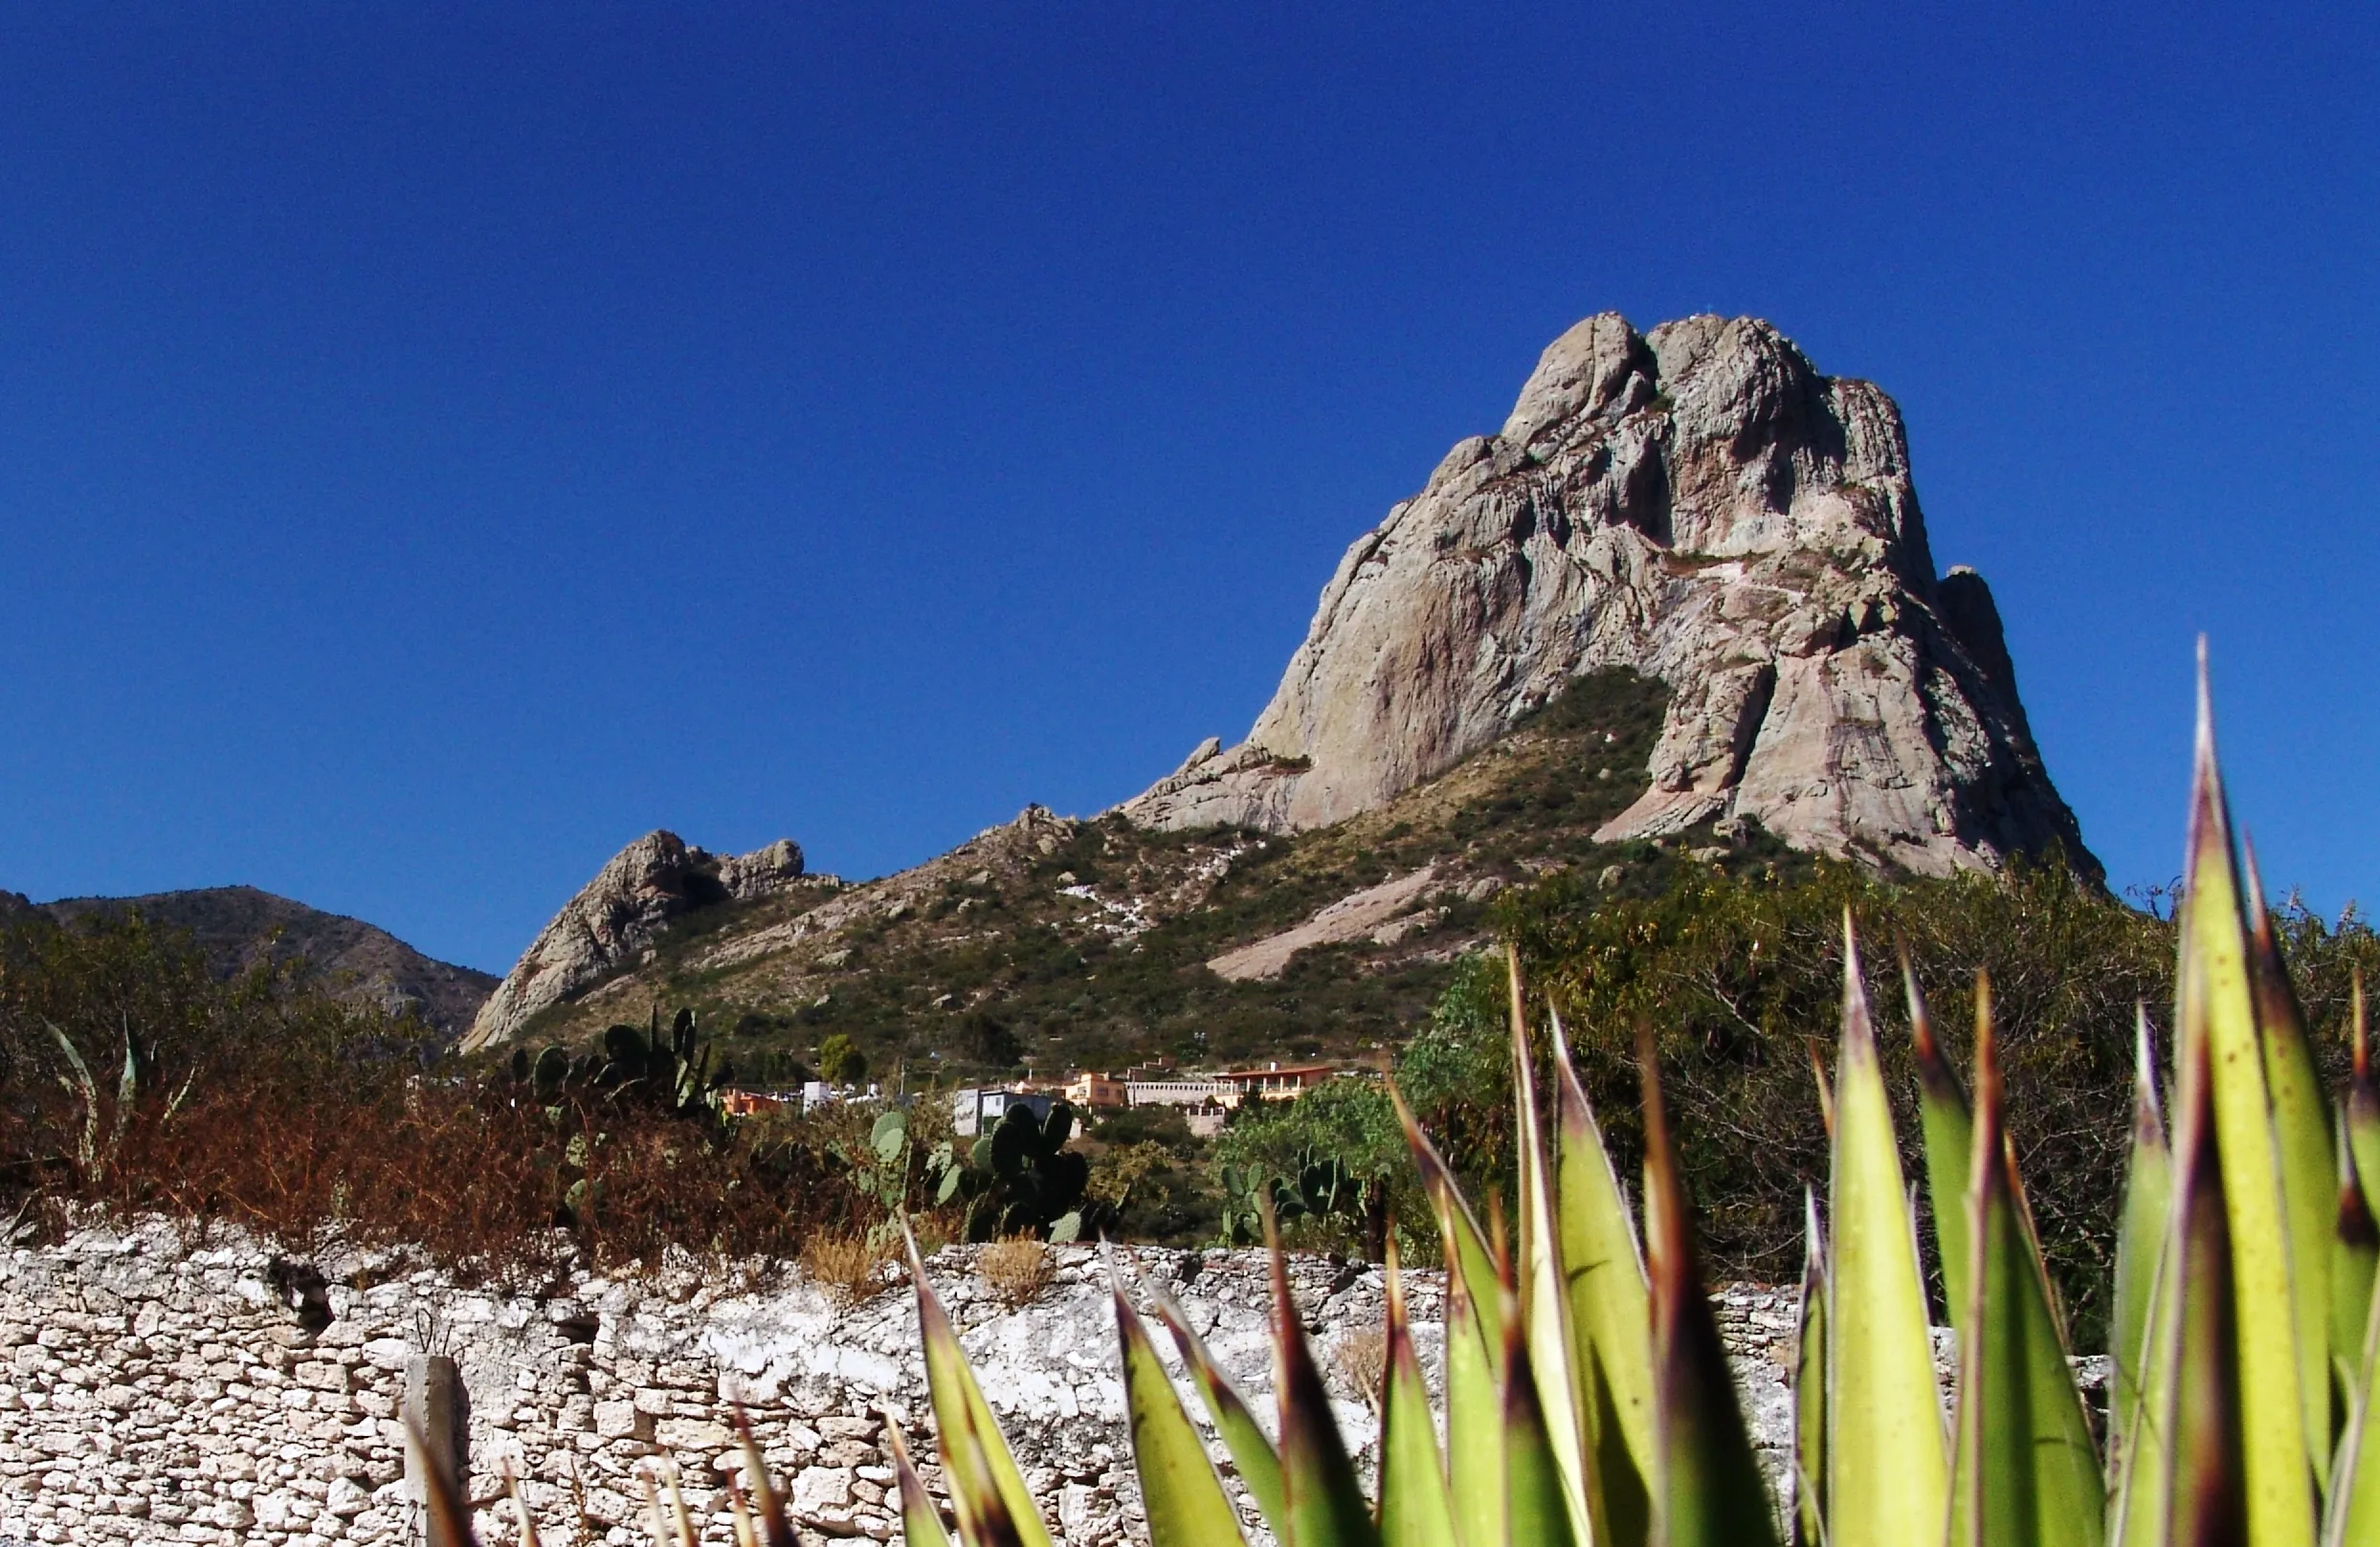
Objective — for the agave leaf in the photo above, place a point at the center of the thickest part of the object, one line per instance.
(1826, 1087)
(1415, 1508)
(747, 1535)
(2355, 1254)
(656, 1526)
(523, 1520)
(1185, 1500)
(1475, 1422)
(2216, 1026)
(1252, 1455)
(984, 1516)
(2140, 1245)
(1537, 1508)
(776, 1530)
(687, 1536)
(1609, 1312)
(1609, 1303)
(2355, 1482)
(1707, 1488)
(127, 1090)
(2024, 1473)
(1810, 1385)
(1466, 1243)
(1320, 1499)
(921, 1523)
(987, 1491)
(1949, 1134)
(2363, 1102)
(2211, 1497)
(2141, 1476)
(1558, 1364)
(1887, 1473)
(2309, 1167)
(87, 1147)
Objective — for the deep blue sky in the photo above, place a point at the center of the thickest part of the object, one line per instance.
(435, 449)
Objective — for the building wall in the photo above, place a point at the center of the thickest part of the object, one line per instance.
(1175, 1093)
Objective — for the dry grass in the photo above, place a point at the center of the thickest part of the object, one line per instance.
(1362, 1359)
(465, 1172)
(261, 1103)
(1018, 1270)
(850, 1267)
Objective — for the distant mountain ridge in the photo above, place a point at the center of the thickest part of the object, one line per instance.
(237, 926)
(620, 914)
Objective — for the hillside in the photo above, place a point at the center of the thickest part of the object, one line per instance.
(237, 926)
(1096, 944)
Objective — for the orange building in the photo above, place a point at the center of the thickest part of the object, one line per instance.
(1092, 1091)
(1274, 1080)
(735, 1103)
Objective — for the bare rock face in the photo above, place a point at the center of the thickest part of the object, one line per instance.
(620, 913)
(1701, 504)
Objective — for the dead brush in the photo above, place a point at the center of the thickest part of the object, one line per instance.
(1362, 1360)
(849, 1269)
(1016, 1270)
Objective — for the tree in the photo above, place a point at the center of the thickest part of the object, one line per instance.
(1333, 1156)
(840, 1062)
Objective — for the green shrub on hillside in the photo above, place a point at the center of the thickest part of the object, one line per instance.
(1740, 976)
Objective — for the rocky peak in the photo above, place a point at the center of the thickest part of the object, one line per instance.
(1701, 504)
(617, 915)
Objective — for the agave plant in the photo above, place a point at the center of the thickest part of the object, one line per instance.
(1589, 1400)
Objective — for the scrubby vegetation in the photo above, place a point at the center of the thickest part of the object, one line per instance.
(1741, 978)
(134, 1077)
(131, 1078)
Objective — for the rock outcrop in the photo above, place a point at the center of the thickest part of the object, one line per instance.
(620, 913)
(1701, 504)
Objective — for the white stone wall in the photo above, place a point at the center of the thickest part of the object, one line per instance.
(156, 1389)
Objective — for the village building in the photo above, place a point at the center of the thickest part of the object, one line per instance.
(1274, 1080)
(978, 1110)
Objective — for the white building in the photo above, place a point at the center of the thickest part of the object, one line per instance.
(976, 1110)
